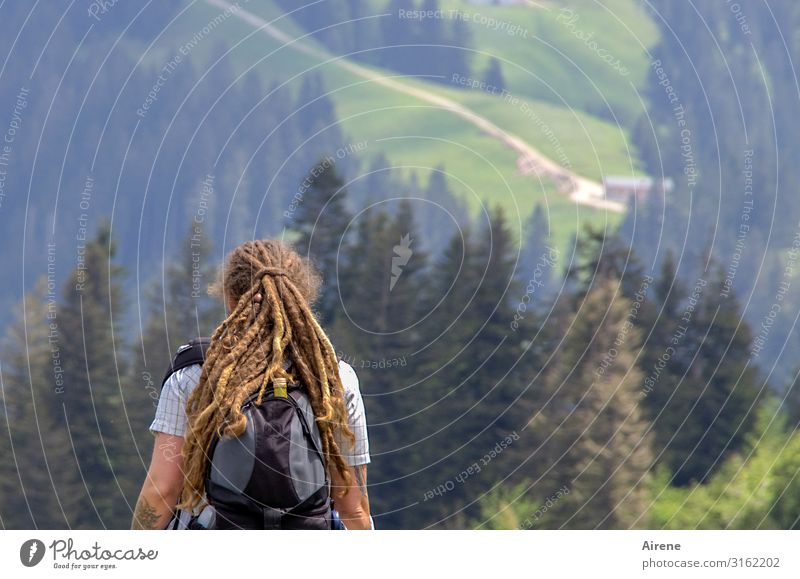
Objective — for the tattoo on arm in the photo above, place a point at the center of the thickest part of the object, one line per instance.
(145, 516)
(361, 479)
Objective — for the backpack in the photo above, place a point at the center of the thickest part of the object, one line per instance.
(273, 476)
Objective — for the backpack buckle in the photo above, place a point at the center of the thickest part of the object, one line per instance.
(272, 517)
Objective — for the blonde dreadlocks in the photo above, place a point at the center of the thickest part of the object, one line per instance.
(248, 351)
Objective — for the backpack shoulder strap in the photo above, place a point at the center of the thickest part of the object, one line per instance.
(193, 352)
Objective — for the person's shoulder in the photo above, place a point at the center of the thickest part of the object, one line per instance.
(348, 376)
(184, 379)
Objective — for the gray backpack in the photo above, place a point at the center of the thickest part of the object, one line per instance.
(273, 476)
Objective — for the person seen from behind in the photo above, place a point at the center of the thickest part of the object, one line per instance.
(270, 377)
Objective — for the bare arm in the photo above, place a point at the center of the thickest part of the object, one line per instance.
(353, 506)
(162, 487)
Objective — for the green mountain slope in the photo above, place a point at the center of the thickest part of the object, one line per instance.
(417, 134)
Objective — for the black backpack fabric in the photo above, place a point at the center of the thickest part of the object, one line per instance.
(191, 353)
(273, 476)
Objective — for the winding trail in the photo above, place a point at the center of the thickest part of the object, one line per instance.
(530, 161)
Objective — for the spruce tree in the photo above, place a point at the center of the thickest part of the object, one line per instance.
(359, 336)
(443, 215)
(407, 283)
(599, 448)
(32, 450)
(538, 261)
(321, 220)
(178, 308)
(482, 383)
(94, 371)
(662, 364)
(494, 76)
(601, 255)
(714, 402)
(497, 296)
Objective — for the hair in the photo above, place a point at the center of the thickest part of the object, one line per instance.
(248, 350)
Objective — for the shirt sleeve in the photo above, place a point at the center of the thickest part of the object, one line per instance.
(170, 415)
(358, 453)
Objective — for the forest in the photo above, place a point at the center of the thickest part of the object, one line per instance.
(499, 392)
(640, 375)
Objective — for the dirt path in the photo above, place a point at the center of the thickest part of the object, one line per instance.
(580, 189)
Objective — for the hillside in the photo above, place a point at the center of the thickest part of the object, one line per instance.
(419, 134)
(88, 79)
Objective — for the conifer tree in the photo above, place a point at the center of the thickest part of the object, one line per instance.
(600, 449)
(662, 365)
(713, 406)
(94, 390)
(178, 308)
(443, 215)
(479, 384)
(536, 256)
(31, 450)
(360, 337)
(321, 221)
(494, 76)
(407, 283)
(497, 348)
(600, 255)
(455, 279)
